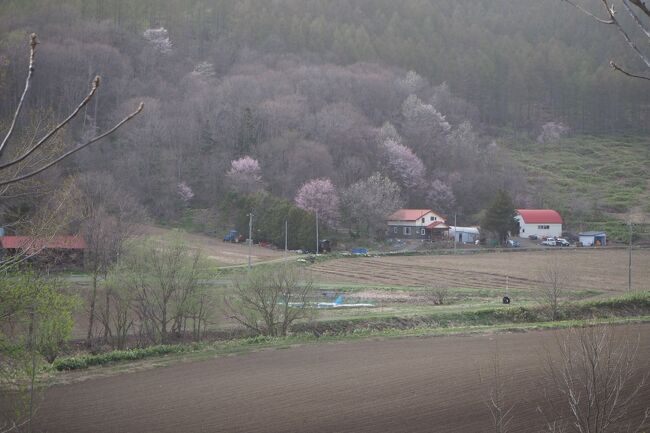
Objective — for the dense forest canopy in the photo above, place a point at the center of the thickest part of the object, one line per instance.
(519, 62)
(314, 89)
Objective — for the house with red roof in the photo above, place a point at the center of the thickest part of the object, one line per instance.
(420, 224)
(539, 222)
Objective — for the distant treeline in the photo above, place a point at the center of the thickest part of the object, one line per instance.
(377, 98)
(520, 62)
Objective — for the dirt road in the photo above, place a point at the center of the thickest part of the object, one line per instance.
(396, 385)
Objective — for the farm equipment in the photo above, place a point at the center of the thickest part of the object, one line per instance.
(325, 246)
(232, 236)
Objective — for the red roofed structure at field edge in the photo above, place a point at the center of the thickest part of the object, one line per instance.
(422, 224)
(63, 252)
(539, 222)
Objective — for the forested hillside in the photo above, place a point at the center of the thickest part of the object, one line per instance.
(255, 95)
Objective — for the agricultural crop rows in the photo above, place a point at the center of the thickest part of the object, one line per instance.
(599, 270)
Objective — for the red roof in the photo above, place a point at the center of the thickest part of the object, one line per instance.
(540, 216)
(57, 242)
(435, 224)
(408, 214)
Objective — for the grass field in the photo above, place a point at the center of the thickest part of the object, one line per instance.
(610, 173)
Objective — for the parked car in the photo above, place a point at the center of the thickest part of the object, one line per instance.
(532, 237)
(511, 243)
(560, 242)
(550, 242)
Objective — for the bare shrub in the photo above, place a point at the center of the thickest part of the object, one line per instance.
(594, 381)
(496, 399)
(436, 295)
(268, 301)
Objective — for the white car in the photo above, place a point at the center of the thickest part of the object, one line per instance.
(550, 242)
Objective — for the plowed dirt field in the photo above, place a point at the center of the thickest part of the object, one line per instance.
(395, 385)
(586, 269)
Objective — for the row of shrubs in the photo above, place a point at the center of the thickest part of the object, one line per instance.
(630, 305)
(85, 361)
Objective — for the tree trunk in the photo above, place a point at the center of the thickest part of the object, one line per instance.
(107, 330)
(91, 318)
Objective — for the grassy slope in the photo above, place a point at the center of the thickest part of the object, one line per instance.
(592, 181)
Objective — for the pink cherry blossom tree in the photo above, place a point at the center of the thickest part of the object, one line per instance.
(319, 196)
(245, 175)
(404, 166)
(184, 191)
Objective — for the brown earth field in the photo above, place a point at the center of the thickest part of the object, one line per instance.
(430, 384)
(585, 269)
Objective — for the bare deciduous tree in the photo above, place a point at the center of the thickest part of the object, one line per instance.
(554, 278)
(165, 275)
(597, 377)
(268, 301)
(110, 218)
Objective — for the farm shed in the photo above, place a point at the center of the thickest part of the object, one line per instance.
(590, 239)
(59, 251)
(539, 222)
(464, 234)
(421, 224)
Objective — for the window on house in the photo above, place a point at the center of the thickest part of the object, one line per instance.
(432, 218)
(407, 231)
(394, 229)
(423, 220)
(543, 227)
(423, 232)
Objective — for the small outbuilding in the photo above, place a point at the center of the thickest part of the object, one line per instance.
(464, 235)
(593, 239)
(539, 222)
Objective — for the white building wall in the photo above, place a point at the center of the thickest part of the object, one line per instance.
(540, 230)
(428, 219)
(587, 241)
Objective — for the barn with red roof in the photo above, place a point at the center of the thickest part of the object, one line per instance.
(421, 224)
(539, 222)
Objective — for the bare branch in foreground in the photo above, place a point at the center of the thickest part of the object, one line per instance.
(30, 73)
(46, 137)
(75, 150)
(15, 177)
(586, 12)
(629, 74)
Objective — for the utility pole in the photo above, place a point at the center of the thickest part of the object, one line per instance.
(250, 239)
(455, 232)
(286, 237)
(317, 232)
(629, 262)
